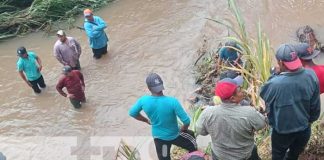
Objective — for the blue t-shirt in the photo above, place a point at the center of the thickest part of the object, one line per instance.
(162, 112)
(227, 55)
(29, 66)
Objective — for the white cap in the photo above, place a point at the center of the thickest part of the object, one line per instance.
(61, 33)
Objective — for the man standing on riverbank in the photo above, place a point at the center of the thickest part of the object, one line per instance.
(73, 81)
(67, 50)
(293, 104)
(94, 27)
(231, 125)
(29, 66)
(306, 55)
(162, 112)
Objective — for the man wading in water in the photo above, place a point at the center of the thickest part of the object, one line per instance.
(67, 50)
(29, 66)
(74, 83)
(163, 112)
(94, 27)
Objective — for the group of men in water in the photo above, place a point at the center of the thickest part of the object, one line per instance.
(291, 96)
(67, 51)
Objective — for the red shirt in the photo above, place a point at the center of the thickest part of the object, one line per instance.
(73, 84)
(319, 70)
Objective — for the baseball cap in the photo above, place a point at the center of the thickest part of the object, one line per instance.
(228, 74)
(154, 83)
(87, 12)
(21, 50)
(306, 52)
(226, 87)
(66, 69)
(287, 54)
(230, 43)
(60, 33)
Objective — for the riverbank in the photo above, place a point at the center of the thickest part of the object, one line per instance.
(258, 55)
(21, 17)
(204, 97)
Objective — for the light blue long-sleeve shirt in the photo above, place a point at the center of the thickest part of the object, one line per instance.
(95, 32)
(162, 112)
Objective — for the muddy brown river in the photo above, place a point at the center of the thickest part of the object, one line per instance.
(162, 36)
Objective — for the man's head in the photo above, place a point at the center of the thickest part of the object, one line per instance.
(61, 35)
(67, 70)
(287, 58)
(22, 52)
(230, 45)
(154, 83)
(87, 13)
(306, 52)
(229, 90)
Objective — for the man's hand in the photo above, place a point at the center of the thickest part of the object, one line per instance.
(70, 96)
(40, 68)
(83, 88)
(184, 128)
(29, 84)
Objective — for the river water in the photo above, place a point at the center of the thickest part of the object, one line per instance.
(160, 36)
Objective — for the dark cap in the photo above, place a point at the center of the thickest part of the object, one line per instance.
(230, 43)
(21, 51)
(287, 54)
(306, 52)
(66, 69)
(154, 83)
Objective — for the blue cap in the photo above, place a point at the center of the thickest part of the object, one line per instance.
(306, 52)
(287, 54)
(154, 83)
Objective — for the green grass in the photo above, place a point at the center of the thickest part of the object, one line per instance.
(42, 15)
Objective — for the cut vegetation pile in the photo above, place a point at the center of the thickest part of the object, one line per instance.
(19, 17)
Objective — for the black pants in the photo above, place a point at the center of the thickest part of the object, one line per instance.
(77, 66)
(97, 53)
(254, 154)
(295, 142)
(185, 140)
(35, 83)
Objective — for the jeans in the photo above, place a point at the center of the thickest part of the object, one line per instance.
(185, 140)
(295, 142)
(38, 82)
(77, 66)
(97, 53)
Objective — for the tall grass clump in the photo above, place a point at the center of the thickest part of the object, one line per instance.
(257, 56)
(257, 53)
(125, 152)
(20, 17)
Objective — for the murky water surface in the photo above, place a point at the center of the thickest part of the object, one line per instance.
(147, 35)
